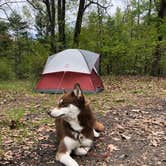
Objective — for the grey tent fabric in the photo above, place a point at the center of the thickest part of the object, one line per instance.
(91, 58)
(74, 60)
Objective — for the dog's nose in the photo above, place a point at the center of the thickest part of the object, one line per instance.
(49, 112)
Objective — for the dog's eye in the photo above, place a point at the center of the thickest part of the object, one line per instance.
(62, 103)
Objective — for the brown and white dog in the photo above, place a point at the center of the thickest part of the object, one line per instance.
(75, 125)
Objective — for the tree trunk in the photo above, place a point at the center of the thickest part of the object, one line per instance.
(149, 11)
(50, 6)
(148, 23)
(77, 29)
(81, 10)
(100, 41)
(138, 16)
(155, 70)
(52, 23)
(61, 24)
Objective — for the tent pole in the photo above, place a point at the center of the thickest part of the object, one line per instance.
(92, 81)
(61, 79)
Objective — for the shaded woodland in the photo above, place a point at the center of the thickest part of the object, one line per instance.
(132, 41)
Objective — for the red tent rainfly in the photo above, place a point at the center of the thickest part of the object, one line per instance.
(64, 69)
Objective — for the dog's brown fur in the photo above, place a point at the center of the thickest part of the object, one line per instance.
(86, 118)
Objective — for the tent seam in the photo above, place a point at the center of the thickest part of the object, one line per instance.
(84, 59)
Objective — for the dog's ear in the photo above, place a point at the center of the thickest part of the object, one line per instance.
(78, 93)
(77, 90)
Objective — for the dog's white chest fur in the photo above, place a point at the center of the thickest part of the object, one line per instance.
(74, 123)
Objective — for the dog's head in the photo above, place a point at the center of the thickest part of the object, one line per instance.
(70, 104)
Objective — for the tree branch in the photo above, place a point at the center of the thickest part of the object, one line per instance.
(33, 4)
(87, 5)
(10, 7)
(36, 7)
(157, 6)
(98, 4)
(4, 12)
(48, 9)
(5, 3)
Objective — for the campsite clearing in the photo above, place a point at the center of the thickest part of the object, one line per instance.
(133, 109)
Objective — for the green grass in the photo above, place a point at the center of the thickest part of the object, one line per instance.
(17, 86)
(15, 114)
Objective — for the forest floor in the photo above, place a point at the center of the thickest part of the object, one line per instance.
(133, 110)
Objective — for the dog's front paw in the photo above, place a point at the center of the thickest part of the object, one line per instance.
(66, 159)
(81, 151)
(96, 134)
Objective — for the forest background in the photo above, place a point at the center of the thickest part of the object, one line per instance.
(132, 41)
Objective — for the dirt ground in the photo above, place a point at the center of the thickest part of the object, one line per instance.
(133, 110)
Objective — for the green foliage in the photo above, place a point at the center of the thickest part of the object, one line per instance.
(5, 41)
(37, 59)
(17, 25)
(163, 61)
(32, 62)
(6, 71)
(126, 45)
(41, 25)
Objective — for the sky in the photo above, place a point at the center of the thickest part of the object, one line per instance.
(18, 6)
(70, 18)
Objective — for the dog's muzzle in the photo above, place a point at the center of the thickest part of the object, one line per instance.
(57, 116)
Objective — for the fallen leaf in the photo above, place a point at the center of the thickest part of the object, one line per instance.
(154, 143)
(135, 110)
(124, 156)
(120, 127)
(37, 106)
(112, 147)
(44, 128)
(116, 139)
(8, 155)
(47, 146)
(8, 141)
(125, 136)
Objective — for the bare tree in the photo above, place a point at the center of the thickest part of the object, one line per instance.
(50, 11)
(61, 23)
(149, 11)
(83, 5)
(138, 14)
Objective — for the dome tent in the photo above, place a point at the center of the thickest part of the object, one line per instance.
(64, 69)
